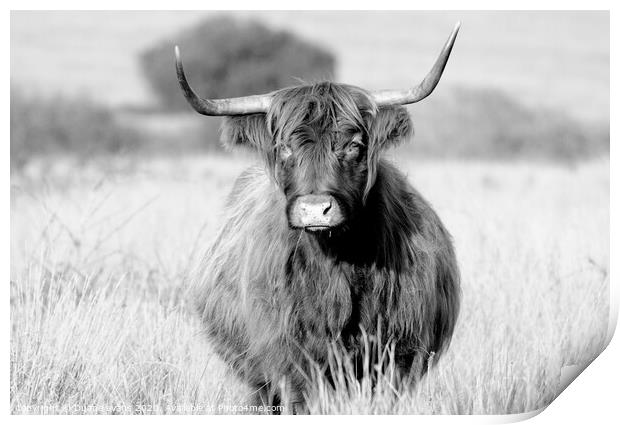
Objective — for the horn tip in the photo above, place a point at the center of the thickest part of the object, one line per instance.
(177, 53)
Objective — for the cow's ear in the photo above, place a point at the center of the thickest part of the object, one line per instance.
(246, 130)
(250, 131)
(390, 126)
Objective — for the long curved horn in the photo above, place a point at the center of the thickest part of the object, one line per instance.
(233, 106)
(426, 87)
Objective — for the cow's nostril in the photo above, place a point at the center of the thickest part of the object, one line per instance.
(326, 210)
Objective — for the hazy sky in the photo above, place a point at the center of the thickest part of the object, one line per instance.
(557, 59)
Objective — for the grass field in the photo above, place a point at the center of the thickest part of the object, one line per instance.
(99, 309)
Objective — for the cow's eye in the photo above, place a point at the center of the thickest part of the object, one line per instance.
(353, 149)
(285, 152)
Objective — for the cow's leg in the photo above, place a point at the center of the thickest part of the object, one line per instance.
(266, 397)
(293, 398)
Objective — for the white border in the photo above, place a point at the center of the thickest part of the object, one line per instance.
(591, 397)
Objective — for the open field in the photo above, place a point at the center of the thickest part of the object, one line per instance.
(99, 310)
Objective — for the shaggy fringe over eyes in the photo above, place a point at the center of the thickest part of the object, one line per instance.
(319, 108)
(315, 110)
(325, 106)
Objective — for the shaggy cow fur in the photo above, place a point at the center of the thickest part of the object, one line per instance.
(273, 298)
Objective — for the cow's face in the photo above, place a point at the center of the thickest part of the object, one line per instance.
(321, 144)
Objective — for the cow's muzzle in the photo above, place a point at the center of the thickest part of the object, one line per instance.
(315, 213)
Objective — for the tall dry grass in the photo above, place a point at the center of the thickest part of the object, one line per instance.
(99, 309)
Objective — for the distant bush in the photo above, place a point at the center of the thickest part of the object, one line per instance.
(225, 57)
(64, 125)
(486, 123)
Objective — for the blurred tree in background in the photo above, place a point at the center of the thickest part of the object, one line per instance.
(226, 57)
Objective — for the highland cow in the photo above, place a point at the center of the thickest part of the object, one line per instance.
(326, 241)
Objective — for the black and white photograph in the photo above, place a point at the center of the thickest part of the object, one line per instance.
(320, 212)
